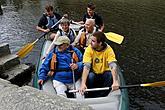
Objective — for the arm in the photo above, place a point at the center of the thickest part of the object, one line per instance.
(44, 69)
(99, 22)
(101, 25)
(42, 29)
(42, 24)
(102, 28)
(49, 49)
(52, 45)
(84, 79)
(113, 67)
(87, 60)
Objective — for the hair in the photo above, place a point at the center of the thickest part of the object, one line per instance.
(100, 36)
(65, 20)
(91, 21)
(49, 8)
(91, 6)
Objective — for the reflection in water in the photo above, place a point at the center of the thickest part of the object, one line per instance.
(140, 55)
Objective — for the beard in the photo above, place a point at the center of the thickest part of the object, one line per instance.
(93, 46)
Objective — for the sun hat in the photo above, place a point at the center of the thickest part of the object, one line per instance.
(62, 40)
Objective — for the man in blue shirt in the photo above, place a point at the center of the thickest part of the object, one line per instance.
(48, 19)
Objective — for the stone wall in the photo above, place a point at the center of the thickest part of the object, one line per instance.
(13, 97)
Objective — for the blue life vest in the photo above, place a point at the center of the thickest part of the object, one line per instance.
(51, 21)
(71, 35)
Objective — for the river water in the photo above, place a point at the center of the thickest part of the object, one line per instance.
(141, 22)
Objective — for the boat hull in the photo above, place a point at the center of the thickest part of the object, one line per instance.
(117, 100)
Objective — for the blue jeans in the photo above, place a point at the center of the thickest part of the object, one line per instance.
(97, 81)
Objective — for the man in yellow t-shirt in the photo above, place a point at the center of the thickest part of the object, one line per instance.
(100, 69)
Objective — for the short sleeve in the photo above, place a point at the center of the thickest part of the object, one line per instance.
(87, 58)
(110, 55)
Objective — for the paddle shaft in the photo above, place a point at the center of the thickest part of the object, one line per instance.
(40, 37)
(155, 84)
(49, 31)
(129, 86)
(74, 82)
(107, 88)
(27, 48)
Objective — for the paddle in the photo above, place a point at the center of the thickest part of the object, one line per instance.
(114, 37)
(74, 82)
(110, 35)
(155, 84)
(28, 47)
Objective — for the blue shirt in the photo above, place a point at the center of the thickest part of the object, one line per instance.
(64, 73)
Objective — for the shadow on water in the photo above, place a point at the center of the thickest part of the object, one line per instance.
(140, 55)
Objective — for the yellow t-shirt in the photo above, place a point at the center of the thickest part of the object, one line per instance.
(99, 60)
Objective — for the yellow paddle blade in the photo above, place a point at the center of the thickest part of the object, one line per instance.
(114, 37)
(25, 50)
(155, 84)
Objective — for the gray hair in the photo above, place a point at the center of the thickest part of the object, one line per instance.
(91, 21)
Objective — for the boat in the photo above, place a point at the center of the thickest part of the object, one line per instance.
(117, 100)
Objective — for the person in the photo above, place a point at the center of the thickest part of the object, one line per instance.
(84, 36)
(62, 63)
(100, 68)
(93, 15)
(66, 30)
(48, 19)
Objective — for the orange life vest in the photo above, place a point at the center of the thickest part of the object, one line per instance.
(53, 62)
(83, 38)
(82, 41)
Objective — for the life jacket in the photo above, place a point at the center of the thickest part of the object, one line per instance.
(82, 41)
(53, 63)
(83, 38)
(71, 35)
(51, 21)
